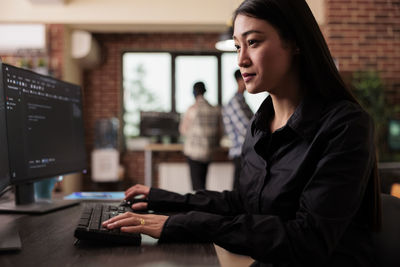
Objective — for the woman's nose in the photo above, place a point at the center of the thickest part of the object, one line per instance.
(243, 58)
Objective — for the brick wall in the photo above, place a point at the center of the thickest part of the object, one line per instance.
(365, 35)
(55, 47)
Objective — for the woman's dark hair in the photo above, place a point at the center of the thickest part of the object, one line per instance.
(295, 23)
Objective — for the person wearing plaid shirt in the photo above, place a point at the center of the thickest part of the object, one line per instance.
(236, 117)
(201, 128)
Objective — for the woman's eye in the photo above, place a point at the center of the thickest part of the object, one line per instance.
(237, 47)
(252, 42)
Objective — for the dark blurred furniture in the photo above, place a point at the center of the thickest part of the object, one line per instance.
(160, 125)
(387, 241)
(389, 174)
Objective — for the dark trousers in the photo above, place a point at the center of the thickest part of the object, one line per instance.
(238, 167)
(198, 173)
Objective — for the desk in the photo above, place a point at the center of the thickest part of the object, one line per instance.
(148, 158)
(220, 155)
(55, 247)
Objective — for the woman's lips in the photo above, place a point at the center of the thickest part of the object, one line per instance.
(248, 76)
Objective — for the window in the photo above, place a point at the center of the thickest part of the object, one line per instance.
(229, 66)
(146, 87)
(163, 81)
(192, 69)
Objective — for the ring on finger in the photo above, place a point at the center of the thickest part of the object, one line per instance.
(142, 221)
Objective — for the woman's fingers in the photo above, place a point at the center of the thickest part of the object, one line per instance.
(135, 190)
(131, 221)
(132, 229)
(127, 218)
(149, 224)
(139, 206)
(138, 189)
(116, 218)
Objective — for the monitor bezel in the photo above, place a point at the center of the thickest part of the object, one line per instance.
(4, 181)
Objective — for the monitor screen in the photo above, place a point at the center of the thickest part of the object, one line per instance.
(159, 124)
(44, 125)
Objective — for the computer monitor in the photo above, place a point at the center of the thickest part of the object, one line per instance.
(160, 124)
(44, 132)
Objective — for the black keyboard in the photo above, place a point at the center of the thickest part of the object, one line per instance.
(90, 228)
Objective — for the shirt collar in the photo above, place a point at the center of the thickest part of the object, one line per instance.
(303, 121)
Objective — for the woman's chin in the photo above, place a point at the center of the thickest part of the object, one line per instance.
(253, 90)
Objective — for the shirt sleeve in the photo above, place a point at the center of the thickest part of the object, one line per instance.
(187, 120)
(226, 118)
(237, 115)
(327, 206)
(226, 202)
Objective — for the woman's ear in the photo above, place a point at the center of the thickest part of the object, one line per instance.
(292, 46)
(295, 48)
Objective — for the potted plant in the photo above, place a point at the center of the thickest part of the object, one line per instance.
(369, 89)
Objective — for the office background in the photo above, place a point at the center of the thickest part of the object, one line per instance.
(361, 34)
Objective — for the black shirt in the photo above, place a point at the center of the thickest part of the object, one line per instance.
(302, 199)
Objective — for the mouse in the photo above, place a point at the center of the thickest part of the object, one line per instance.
(125, 203)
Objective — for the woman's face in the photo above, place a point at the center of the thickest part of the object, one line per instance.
(265, 60)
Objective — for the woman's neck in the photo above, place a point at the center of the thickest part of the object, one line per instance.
(284, 106)
(285, 99)
(284, 109)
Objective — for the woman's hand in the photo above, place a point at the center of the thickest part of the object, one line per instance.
(137, 190)
(129, 222)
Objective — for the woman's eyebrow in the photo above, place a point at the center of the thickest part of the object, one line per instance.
(248, 32)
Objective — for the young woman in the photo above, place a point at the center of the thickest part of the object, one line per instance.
(308, 192)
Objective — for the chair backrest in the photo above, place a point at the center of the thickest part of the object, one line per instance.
(387, 241)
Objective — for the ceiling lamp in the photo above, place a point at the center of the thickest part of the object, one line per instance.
(226, 42)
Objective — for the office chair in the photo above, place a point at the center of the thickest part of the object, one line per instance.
(387, 241)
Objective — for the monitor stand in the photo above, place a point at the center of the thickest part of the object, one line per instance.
(25, 202)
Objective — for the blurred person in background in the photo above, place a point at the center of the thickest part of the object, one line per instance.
(201, 129)
(236, 117)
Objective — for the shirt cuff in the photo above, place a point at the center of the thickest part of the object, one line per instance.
(193, 227)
